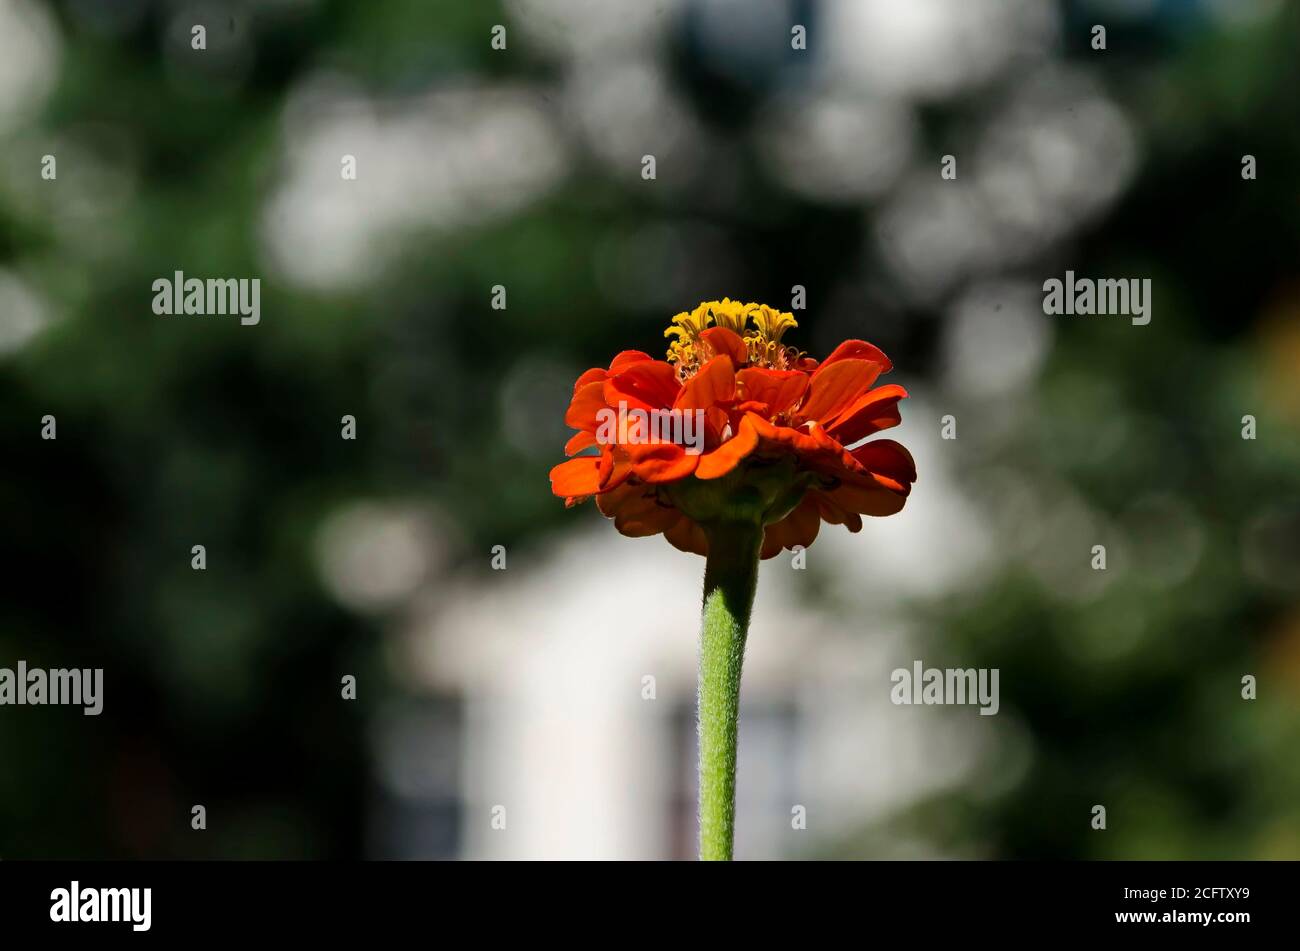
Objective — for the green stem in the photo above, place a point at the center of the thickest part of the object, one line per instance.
(730, 576)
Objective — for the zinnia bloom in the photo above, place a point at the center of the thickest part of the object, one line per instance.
(784, 436)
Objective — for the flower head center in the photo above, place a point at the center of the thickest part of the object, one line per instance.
(759, 327)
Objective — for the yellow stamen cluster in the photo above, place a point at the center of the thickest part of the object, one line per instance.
(758, 325)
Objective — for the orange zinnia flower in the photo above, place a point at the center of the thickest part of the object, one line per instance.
(777, 432)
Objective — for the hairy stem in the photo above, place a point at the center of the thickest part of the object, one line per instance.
(730, 577)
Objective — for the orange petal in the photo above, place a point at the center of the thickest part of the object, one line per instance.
(802, 442)
(586, 402)
(637, 511)
(871, 412)
(660, 462)
(594, 375)
(835, 387)
(867, 499)
(798, 528)
(615, 468)
(713, 383)
(577, 477)
(579, 442)
(884, 457)
(779, 389)
(626, 357)
(858, 350)
(643, 384)
(814, 448)
(834, 514)
(686, 535)
(727, 456)
(724, 341)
